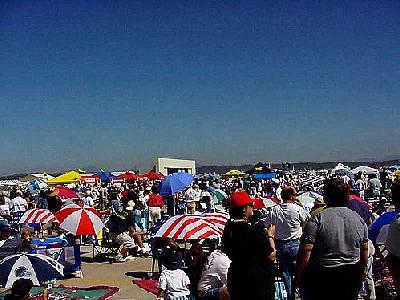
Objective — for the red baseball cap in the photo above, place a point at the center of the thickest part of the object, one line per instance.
(240, 199)
(258, 203)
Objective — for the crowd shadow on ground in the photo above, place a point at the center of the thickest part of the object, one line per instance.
(143, 275)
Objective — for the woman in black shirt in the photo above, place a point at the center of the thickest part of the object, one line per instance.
(251, 249)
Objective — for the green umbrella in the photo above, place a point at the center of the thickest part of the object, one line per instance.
(220, 195)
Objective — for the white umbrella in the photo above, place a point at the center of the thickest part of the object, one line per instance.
(36, 267)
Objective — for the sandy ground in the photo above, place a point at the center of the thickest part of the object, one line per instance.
(116, 274)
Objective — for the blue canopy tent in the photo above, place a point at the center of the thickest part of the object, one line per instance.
(265, 176)
(105, 176)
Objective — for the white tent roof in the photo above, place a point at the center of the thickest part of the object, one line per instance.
(341, 166)
(365, 169)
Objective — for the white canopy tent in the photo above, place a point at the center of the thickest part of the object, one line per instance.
(365, 169)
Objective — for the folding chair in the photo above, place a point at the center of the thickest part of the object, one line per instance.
(105, 247)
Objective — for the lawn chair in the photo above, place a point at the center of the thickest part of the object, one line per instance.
(105, 246)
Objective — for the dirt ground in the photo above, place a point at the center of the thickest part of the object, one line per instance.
(116, 274)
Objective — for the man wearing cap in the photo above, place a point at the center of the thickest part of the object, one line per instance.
(251, 249)
(288, 218)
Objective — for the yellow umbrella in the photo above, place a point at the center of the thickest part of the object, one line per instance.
(234, 173)
(69, 177)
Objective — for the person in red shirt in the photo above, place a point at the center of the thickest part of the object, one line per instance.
(155, 204)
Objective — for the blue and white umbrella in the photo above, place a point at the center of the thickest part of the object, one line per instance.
(175, 183)
(36, 267)
(379, 228)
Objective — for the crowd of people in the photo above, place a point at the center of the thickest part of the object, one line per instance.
(319, 252)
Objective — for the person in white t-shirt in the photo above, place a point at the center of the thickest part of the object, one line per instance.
(173, 282)
(192, 197)
(288, 218)
(212, 283)
(18, 204)
(88, 200)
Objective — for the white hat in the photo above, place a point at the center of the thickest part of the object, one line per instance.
(130, 205)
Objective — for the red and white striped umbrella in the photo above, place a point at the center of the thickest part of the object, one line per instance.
(38, 216)
(80, 219)
(217, 219)
(188, 227)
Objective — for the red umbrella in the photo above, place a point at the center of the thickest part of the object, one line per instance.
(80, 219)
(128, 176)
(38, 216)
(217, 219)
(153, 176)
(188, 227)
(64, 192)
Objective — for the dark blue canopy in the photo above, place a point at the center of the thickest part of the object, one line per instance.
(105, 176)
(265, 176)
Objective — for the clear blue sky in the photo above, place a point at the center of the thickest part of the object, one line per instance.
(115, 84)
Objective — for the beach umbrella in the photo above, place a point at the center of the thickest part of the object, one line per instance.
(235, 173)
(38, 216)
(36, 267)
(270, 201)
(36, 185)
(175, 183)
(153, 176)
(188, 227)
(307, 199)
(128, 176)
(365, 169)
(379, 228)
(220, 195)
(105, 176)
(64, 192)
(217, 219)
(80, 219)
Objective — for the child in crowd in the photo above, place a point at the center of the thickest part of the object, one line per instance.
(173, 283)
(21, 290)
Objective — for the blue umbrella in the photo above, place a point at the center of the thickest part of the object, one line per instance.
(36, 267)
(175, 183)
(105, 176)
(379, 228)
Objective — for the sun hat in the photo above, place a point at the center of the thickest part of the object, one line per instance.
(171, 259)
(239, 199)
(130, 205)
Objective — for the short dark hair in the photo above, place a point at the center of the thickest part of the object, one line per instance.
(21, 287)
(287, 191)
(336, 191)
(395, 189)
(154, 189)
